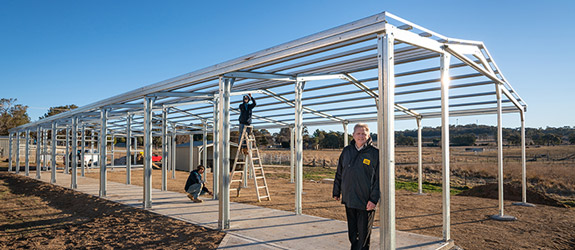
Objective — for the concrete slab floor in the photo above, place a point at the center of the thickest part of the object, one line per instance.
(252, 227)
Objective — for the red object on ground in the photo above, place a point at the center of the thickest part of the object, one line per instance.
(156, 158)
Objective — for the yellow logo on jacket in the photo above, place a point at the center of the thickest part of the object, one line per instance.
(366, 161)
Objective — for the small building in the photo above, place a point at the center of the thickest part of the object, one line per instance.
(183, 155)
(476, 150)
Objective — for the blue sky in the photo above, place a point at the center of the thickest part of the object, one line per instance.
(56, 53)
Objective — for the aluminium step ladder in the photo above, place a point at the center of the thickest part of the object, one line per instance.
(249, 164)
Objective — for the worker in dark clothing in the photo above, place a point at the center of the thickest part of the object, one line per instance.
(246, 114)
(357, 182)
(195, 185)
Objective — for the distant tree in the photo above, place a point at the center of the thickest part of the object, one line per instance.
(12, 115)
(512, 136)
(404, 140)
(283, 137)
(572, 138)
(551, 139)
(264, 137)
(332, 140)
(58, 109)
(463, 140)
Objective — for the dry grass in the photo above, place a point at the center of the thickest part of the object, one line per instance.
(550, 169)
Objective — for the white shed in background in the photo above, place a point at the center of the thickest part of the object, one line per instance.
(183, 155)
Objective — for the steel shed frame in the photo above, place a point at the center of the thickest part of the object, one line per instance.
(380, 68)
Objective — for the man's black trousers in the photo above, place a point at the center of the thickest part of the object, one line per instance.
(359, 223)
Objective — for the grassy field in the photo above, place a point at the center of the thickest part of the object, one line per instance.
(550, 169)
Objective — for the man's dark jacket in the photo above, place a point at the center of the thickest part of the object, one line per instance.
(246, 112)
(193, 178)
(357, 176)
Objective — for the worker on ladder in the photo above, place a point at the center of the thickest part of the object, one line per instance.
(246, 115)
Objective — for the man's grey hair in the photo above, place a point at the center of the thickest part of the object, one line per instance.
(361, 125)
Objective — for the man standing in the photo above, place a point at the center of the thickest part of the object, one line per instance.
(357, 181)
(195, 185)
(245, 118)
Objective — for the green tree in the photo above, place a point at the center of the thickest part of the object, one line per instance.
(572, 138)
(463, 140)
(12, 115)
(58, 109)
(263, 136)
(404, 140)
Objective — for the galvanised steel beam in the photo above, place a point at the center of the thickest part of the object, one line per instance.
(17, 152)
(180, 94)
(102, 158)
(260, 75)
(128, 149)
(487, 74)
(74, 165)
(419, 157)
(501, 215)
(67, 145)
(216, 140)
(445, 194)
(385, 130)
(83, 148)
(148, 104)
(53, 144)
(523, 166)
(27, 150)
(299, 87)
(292, 104)
(292, 154)
(165, 157)
(224, 144)
(39, 140)
(10, 153)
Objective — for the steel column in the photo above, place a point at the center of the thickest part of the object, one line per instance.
(191, 152)
(44, 158)
(216, 150)
(419, 158)
(53, 144)
(38, 152)
(112, 149)
(173, 150)
(345, 135)
(501, 215)
(129, 149)
(523, 166)
(10, 152)
(74, 165)
(165, 155)
(18, 152)
(224, 144)
(292, 154)
(445, 82)
(102, 161)
(148, 105)
(205, 142)
(27, 150)
(67, 157)
(299, 146)
(83, 153)
(523, 161)
(386, 139)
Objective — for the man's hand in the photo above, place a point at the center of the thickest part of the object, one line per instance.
(250, 94)
(336, 198)
(370, 206)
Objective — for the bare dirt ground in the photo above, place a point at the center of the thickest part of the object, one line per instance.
(541, 227)
(37, 215)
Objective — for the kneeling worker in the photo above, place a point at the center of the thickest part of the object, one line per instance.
(195, 185)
